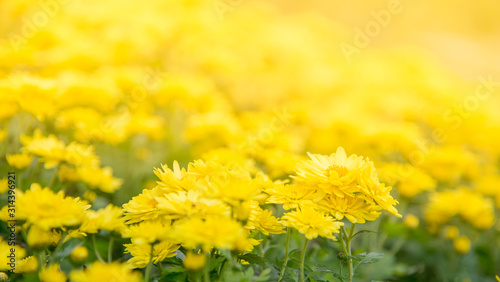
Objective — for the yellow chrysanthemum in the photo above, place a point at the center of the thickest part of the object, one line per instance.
(147, 232)
(46, 209)
(292, 196)
(27, 265)
(335, 174)
(194, 261)
(142, 207)
(19, 161)
(212, 232)
(38, 237)
(79, 254)
(52, 273)
(50, 149)
(109, 218)
(312, 223)
(8, 262)
(355, 209)
(141, 254)
(99, 271)
(233, 189)
(188, 204)
(262, 220)
(174, 180)
(101, 178)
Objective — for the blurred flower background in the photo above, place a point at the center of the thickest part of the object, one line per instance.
(224, 98)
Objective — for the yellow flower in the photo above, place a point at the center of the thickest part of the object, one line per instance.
(498, 278)
(101, 178)
(461, 244)
(312, 223)
(470, 205)
(27, 265)
(19, 161)
(142, 207)
(6, 261)
(174, 180)
(3, 134)
(355, 209)
(52, 273)
(147, 232)
(141, 254)
(451, 232)
(4, 185)
(79, 254)
(81, 155)
(233, 189)
(375, 192)
(212, 232)
(292, 196)
(262, 220)
(46, 209)
(109, 218)
(38, 237)
(194, 261)
(411, 221)
(99, 271)
(50, 149)
(188, 204)
(335, 174)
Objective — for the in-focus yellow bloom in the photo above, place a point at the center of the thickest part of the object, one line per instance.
(147, 232)
(461, 244)
(292, 196)
(174, 180)
(19, 161)
(212, 232)
(79, 254)
(335, 174)
(312, 223)
(188, 204)
(194, 261)
(52, 273)
(99, 271)
(141, 254)
(262, 220)
(355, 209)
(142, 207)
(46, 209)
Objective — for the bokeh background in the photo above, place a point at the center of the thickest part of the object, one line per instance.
(259, 84)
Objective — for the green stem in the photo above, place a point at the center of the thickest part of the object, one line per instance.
(148, 268)
(58, 247)
(160, 267)
(283, 267)
(346, 245)
(110, 250)
(302, 259)
(206, 273)
(95, 249)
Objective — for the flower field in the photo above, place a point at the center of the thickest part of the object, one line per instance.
(237, 140)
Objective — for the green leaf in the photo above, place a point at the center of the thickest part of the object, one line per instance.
(254, 259)
(362, 231)
(366, 258)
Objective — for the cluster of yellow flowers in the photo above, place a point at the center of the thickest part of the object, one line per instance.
(87, 107)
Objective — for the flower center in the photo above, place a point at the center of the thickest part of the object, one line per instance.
(339, 169)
